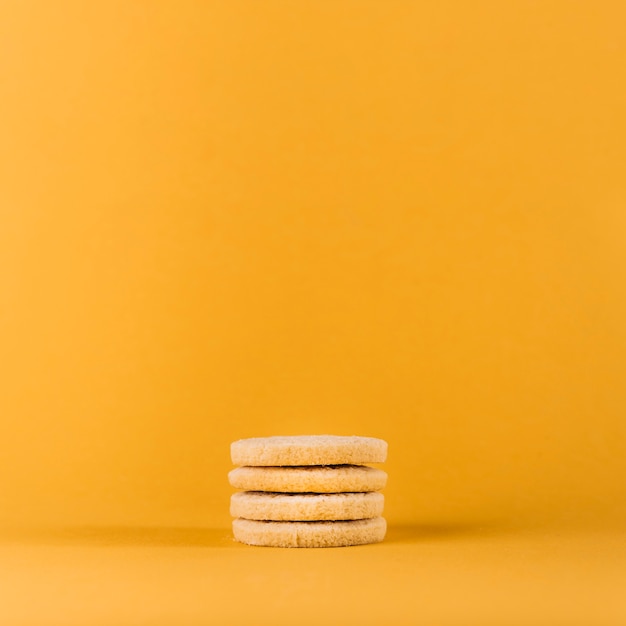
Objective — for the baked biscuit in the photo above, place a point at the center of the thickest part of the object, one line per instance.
(309, 534)
(255, 505)
(308, 450)
(309, 479)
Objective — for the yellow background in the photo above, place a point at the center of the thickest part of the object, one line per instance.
(232, 219)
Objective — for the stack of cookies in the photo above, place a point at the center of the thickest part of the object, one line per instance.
(308, 492)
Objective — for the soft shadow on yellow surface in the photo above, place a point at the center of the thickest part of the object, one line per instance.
(206, 537)
(199, 537)
(119, 536)
(417, 533)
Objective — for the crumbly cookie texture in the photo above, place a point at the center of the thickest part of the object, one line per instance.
(308, 450)
(254, 505)
(309, 534)
(309, 479)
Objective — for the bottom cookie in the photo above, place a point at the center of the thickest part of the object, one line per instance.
(310, 534)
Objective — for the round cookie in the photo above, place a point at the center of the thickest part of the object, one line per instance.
(309, 479)
(308, 450)
(309, 534)
(254, 505)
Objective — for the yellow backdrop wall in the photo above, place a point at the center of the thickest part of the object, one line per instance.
(232, 219)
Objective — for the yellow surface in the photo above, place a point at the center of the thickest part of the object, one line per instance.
(226, 219)
(420, 575)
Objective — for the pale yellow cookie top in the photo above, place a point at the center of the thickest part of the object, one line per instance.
(308, 450)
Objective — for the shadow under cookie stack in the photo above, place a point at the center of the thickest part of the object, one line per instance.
(308, 491)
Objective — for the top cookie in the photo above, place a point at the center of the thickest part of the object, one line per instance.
(308, 450)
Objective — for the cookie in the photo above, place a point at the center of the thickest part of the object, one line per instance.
(308, 450)
(309, 534)
(254, 505)
(309, 479)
